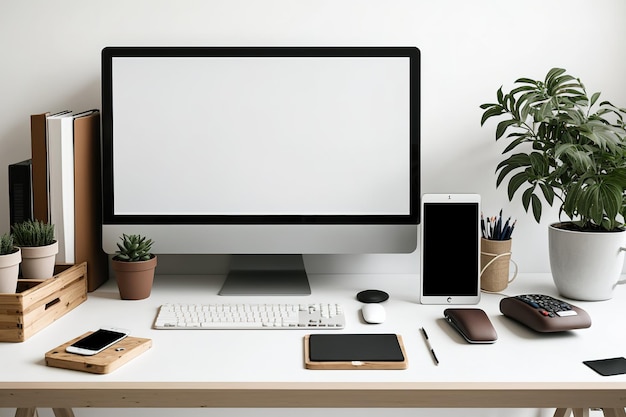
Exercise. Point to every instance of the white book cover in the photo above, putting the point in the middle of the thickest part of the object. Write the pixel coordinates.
(61, 183)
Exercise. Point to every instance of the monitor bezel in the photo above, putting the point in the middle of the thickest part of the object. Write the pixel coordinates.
(108, 55)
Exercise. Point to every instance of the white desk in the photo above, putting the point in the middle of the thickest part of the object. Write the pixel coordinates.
(263, 368)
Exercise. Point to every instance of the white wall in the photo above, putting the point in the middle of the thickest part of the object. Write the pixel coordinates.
(50, 57)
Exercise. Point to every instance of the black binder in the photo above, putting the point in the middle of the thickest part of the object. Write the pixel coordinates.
(20, 192)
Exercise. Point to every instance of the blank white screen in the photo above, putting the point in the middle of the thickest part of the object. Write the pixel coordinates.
(261, 135)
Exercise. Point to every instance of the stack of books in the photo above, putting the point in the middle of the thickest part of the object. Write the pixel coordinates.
(61, 185)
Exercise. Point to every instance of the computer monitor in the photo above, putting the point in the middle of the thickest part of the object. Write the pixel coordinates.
(261, 152)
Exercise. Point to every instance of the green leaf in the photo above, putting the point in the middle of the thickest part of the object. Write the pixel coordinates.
(491, 112)
(611, 197)
(548, 193)
(515, 182)
(594, 98)
(500, 95)
(536, 204)
(503, 126)
(538, 163)
(526, 196)
(526, 81)
(521, 138)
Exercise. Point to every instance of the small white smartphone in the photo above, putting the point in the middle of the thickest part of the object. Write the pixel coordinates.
(97, 341)
(450, 249)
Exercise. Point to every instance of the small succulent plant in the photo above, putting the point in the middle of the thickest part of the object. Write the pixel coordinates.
(133, 248)
(33, 233)
(6, 244)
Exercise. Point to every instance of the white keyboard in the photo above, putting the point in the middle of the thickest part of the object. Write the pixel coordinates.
(250, 316)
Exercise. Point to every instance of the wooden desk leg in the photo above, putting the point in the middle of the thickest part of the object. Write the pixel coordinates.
(614, 412)
(32, 412)
(566, 412)
(26, 412)
(63, 412)
(584, 412)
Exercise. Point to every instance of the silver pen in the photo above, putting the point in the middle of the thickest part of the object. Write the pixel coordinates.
(428, 345)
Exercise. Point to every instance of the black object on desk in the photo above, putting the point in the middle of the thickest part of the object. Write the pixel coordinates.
(355, 351)
(372, 296)
(608, 367)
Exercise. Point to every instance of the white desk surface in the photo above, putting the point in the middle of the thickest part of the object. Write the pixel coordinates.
(522, 363)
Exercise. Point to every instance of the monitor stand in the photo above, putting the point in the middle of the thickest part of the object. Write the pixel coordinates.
(266, 275)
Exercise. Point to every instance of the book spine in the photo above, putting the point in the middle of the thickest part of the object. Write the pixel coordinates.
(39, 156)
(20, 192)
(88, 198)
(61, 174)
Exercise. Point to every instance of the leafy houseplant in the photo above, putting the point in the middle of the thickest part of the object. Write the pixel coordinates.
(10, 258)
(562, 149)
(134, 267)
(567, 151)
(39, 247)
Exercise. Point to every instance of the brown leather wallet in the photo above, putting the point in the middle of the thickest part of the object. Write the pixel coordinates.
(472, 323)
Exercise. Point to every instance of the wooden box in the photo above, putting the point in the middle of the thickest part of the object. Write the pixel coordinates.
(37, 303)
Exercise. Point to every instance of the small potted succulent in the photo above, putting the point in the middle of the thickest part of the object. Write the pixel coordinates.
(10, 258)
(134, 267)
(38, 246)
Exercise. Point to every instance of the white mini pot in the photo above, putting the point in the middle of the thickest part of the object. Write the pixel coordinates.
(38, 261)
(9, 271)
(586, 265)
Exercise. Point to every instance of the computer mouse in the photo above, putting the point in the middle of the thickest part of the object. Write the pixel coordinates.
(373, 313)
(372, 296)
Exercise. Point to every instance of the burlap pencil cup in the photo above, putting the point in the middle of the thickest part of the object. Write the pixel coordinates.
(495, 257)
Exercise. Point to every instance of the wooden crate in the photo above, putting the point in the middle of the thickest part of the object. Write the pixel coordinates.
(37, 303)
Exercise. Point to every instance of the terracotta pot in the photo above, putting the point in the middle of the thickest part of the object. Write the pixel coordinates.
(134, 279)
(38, 261)
(9, 271)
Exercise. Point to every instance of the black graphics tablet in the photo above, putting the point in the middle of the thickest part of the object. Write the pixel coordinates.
(355, 351)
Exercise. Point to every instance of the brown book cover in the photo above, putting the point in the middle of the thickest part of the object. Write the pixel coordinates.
(38, 143)
(39, 156)
(87, 199)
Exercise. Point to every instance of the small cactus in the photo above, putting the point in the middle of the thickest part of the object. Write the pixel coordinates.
(134, 248)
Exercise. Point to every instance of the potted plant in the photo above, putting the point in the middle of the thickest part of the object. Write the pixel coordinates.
(39, 248)
(563, 147)
(10, 258)
(134, 267)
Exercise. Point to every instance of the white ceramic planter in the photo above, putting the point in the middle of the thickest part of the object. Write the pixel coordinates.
(9, 271)
(586, 265)
(38, 261)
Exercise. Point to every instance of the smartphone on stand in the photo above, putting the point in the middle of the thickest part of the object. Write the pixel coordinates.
(97, 341)
(450, 249)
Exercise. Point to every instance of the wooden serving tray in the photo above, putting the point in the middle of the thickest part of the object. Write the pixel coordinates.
(102, 363)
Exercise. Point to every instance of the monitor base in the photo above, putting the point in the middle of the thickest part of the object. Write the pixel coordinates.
(266, 275)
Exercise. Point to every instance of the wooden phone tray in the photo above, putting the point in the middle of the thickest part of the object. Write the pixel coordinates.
(102, 363)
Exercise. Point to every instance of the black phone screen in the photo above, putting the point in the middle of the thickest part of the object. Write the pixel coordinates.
(451, 245)
(98, 339)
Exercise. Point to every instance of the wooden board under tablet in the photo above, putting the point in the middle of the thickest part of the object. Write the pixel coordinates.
(102, 363)
(367, 351)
